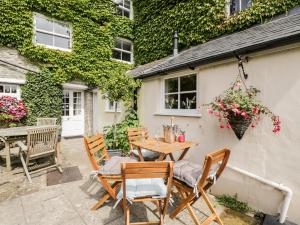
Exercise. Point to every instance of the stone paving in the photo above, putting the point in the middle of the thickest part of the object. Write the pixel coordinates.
(69, 203)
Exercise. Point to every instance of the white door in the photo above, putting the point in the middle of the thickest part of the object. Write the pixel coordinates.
(72, 113)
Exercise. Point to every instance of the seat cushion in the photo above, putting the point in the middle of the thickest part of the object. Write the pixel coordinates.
(146, 153)
(135, 188)
(190, 172)
(113, 166)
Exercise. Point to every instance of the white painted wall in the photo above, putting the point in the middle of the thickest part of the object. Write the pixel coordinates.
(102, 117)
(275, 157)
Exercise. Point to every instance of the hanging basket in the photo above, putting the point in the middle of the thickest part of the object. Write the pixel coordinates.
(239, 125)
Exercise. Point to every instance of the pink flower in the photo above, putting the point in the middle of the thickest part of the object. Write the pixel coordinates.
(222, 126)
(228, 126)
(210, 111)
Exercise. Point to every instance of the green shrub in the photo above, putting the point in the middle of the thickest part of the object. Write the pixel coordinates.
(121, 141)
(233, 203)
(42, 96)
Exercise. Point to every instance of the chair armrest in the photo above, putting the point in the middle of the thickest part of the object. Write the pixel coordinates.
(21, 145)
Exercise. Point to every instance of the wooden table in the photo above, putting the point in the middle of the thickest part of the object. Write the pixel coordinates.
(10, 135)
(163, 148)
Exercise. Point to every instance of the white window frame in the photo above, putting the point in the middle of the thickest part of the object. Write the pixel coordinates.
(122, 50)
(178, 111)
(52, 33)
(15, 95)
(228, 6)
(121, 7)
(108, 109)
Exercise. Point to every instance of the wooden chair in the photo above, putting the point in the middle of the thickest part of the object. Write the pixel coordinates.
(212, 169)
(41, 144)
(45, 121)
(136, 134)
(135, 176)
(100, 159)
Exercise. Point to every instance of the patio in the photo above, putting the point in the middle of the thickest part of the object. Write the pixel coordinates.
(69, 203)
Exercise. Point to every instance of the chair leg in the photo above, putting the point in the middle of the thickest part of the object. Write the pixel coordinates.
(107, 195)
(182, 205)
(25, 168)
(214, 215)
(127, 215)
(101, 202)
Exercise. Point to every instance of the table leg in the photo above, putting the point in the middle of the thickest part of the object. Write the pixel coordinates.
(161, 157)
(183, 154)
(140, 154)
(7, 151)
(172, 157)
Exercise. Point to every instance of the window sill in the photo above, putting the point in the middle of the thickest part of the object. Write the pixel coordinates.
(111, 111)
(179, 114)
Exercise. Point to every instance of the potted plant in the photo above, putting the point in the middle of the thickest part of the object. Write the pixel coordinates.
(237, 108)
(12, 111)
(122, 88)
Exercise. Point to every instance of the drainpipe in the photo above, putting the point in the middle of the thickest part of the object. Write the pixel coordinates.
(175, 43)
(288, 193)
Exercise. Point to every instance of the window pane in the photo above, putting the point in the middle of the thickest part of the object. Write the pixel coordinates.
(245, 4)
(7, 88)
(13, 89)
(65, 106)
(188, 83)
(116, 54)
(119, 11)
(1, 88)
(61, 42)
(45, 39)
(61, 29)
(234, 6)
(127, 46)
(188, 101)
(126, 13)
(43, 24)
(126, 57)
(171, 85)
(111, 105)
(171, 101)
(118, 44)
(127, 4)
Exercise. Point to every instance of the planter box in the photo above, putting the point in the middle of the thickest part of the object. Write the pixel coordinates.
(115, 152)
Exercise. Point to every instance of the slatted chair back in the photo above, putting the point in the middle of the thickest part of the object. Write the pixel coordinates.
(144, 170)
(214, 165)
(96, 150)
(46, 121)
(42, 141)
(136, 134)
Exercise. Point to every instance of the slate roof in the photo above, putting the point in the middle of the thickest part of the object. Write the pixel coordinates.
(283, 30)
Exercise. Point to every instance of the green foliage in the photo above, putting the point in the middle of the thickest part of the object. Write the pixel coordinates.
(233, 203)
(196, 21)
(42, 96)
(121, 141)
(94, 26)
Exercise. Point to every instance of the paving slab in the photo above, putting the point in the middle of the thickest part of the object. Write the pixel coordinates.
(70, 203)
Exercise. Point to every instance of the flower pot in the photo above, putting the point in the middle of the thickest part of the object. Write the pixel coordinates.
(239, 125)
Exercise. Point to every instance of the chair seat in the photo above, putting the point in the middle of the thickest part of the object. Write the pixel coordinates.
(113, 166)
(189, 172)
(147, 154)
(136, 188)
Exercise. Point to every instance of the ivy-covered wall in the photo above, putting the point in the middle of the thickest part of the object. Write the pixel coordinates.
(196, 21)
(94, 25)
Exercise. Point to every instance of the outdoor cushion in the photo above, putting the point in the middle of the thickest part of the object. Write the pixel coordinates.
(190, 172)
(146, 153)
(113, 166)
(135, 188)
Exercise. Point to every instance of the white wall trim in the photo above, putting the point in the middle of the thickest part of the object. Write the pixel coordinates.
(75, 86)
(12, 81)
